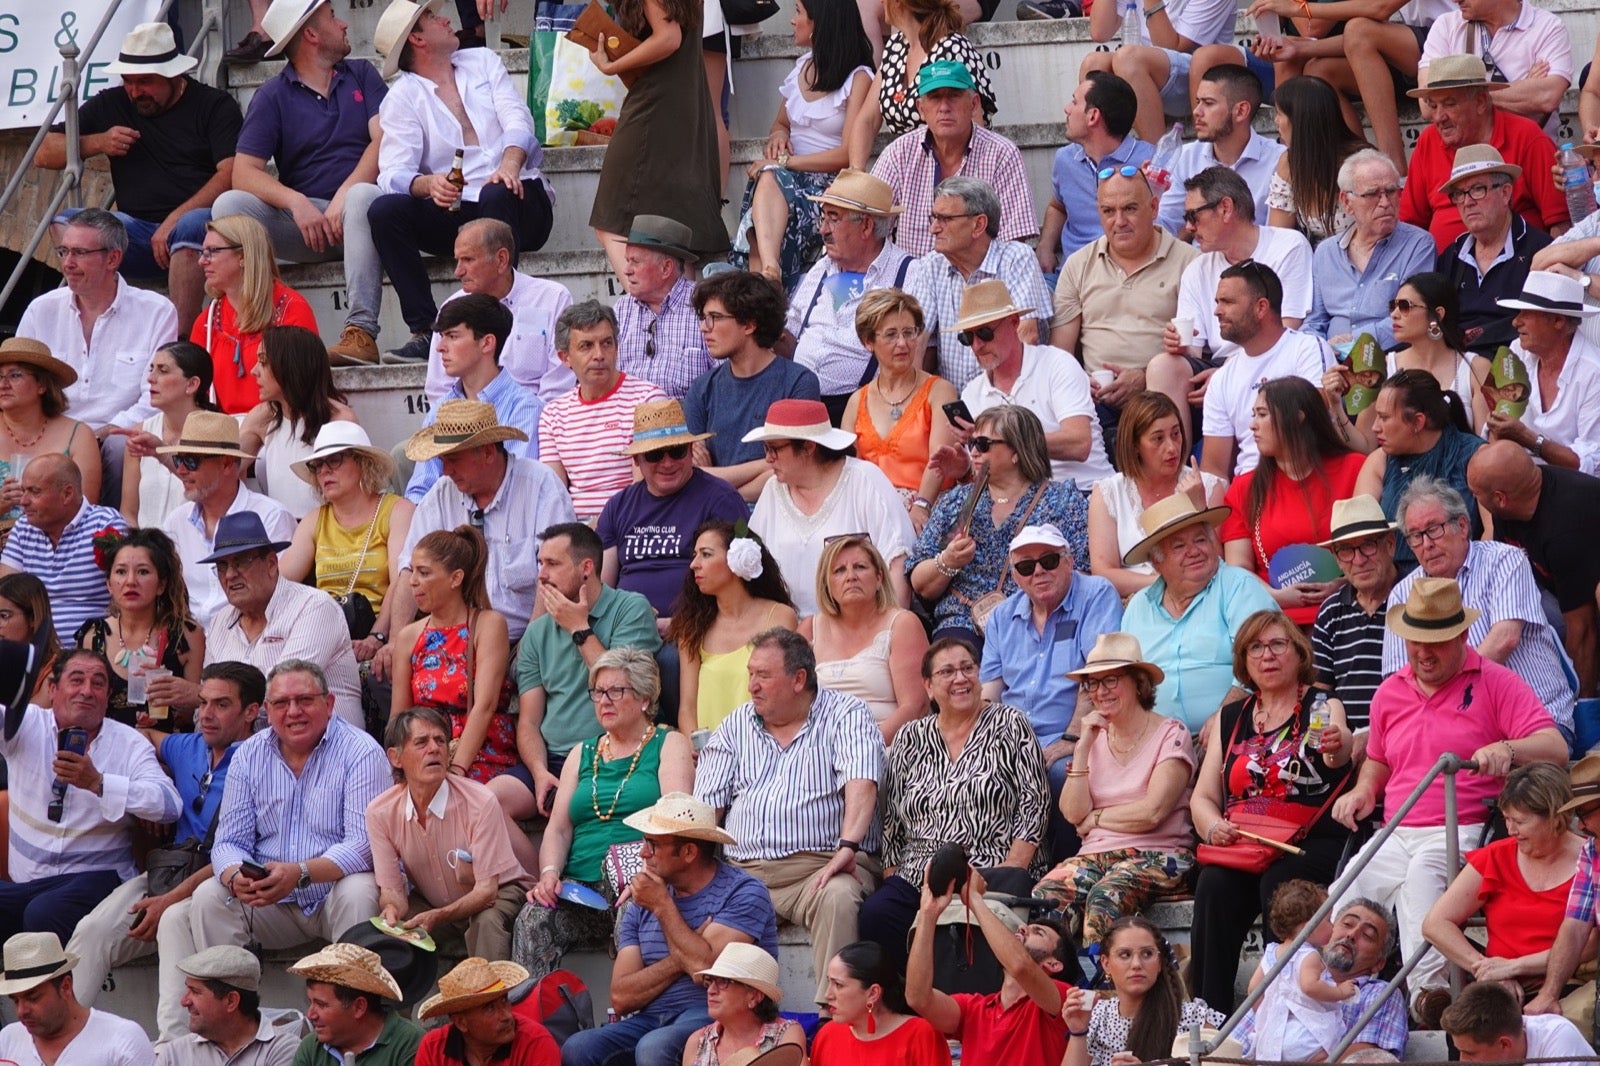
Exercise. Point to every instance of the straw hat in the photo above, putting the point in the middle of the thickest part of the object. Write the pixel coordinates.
(350, 967)
(660, 424)
(1585, 779)
(284, 19)
(1229, 1048)
(1477, 160)
(1359, 516)
(31, 959)
(800, 420)
(1552, 293)
(678, 814)
(856, 190)
(336, 437)
(749, 964)
(472, 983)
(1432, 612)
(1165, 517)
(662, 234)
(28, 352)
(151, 49)
(987, 301)
(460, 424)
(1116, 651)
(207, 433)
(1457, 72)
(398, 20)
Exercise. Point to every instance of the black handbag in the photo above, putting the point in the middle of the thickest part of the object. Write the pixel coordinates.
(748, 12)
(171, 866)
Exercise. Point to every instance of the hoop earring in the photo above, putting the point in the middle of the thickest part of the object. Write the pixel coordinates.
(1434, 331)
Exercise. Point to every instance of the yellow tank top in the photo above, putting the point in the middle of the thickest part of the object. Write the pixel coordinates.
(339, 549)
(724, 684)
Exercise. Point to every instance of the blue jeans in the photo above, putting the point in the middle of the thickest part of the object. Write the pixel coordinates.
(138, 261)
(53, 904)
(649, 1038)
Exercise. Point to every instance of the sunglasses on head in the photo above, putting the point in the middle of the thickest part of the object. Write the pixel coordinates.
(190, 463)
(1026, 567)
(672, 451)
(1126, 171)
(983, 333)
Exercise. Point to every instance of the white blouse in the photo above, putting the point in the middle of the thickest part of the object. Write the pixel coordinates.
(816, 125)
(1572, 420)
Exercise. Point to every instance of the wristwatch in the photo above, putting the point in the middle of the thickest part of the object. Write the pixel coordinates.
(381, 638)
(581, 635)
(305, 877)
(1538, 444)
(853, 845)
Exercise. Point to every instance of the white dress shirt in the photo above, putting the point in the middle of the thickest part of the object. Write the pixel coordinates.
(188, 531)
(530, 352)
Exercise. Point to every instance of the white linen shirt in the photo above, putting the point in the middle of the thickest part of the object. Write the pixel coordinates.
(111, 389)
(1571, 421)
(420, 135)
(530, 352)
(188, 531)
(1053, 386)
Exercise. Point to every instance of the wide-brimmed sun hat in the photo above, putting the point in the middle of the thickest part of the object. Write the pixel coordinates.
(1456, 72)
(149, 48)
(1359, 516)
(1584, 776)
(399, 19)
(1552, 293)
(472, 983)
(461, 424)
(800, 420)
(678, 814)
(662, 234)
(1165, 517)
(1477, 160)
(25, 351)
(349, 966)
(207, 433)
(284, 19)
(1433, 612)
(1116, 651)
(31, 959)
(985, 302)
(856, 190)
(749, 964)
(336, 437)
(660, 424)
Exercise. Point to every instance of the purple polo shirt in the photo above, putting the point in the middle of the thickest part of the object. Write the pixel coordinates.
(316, 140)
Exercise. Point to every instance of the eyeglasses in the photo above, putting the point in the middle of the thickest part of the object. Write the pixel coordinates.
(305, 702)
(650, 339)
(199, 802)
(1104, 681)
(190, 463)
(613, 694)
(475, 517)
(720, 982)
(895, 336)
(1383, 192)
(331, 462)
(63, 252)
(1404, 306)
(935, 217)
(981, 445)
(13, 377)
(209, 251)
(1026, 567)
(770, 449)
(710, 319)
(983, 333)
(650, 847)
(948, 673)
(1474, 192)
(1190, 216)
(1257, 648)
(1126, 171)
(673, 451)
(1346, 552)
(1430, 534)
(237, 562)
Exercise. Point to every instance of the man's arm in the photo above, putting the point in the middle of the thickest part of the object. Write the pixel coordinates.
(1216, 457)
(942, 1012)
(52, 154)
(635, 985)
(1564, 953)
(479, 898)
(1071, 442)
(1501, 640)
(1010, 953)
(860, 801)
(530, 745)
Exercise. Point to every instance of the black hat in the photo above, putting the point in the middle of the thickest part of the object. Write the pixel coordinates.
(412, 968)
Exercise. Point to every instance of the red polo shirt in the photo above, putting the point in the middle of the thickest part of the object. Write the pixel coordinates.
(1009, 1036)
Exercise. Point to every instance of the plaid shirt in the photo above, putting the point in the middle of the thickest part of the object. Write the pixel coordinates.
(665, 349)
(939, 286)
(912, 171)
(1580, 900)
(1387, 1029)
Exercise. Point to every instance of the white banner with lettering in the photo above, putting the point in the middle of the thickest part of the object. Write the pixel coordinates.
(32, 35)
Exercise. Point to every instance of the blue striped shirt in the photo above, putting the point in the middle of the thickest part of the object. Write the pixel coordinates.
(782, 800)
(76, 585)
(271, 815)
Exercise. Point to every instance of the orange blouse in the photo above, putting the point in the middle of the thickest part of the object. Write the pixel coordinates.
(903, 455)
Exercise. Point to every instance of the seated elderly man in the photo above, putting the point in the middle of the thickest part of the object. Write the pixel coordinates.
(857, 216)
(1036, 638)
(416, 828)
(1509, 624)
(966, 250)
(705, 903)
(482, 1027)
(1347, 637)
(54, 541)
(794, 776)
(1185, 621)
(1486, 1024)
(658, 330)
(1356, 273)
(222, 993)
(1444, 697)
(350, 1001)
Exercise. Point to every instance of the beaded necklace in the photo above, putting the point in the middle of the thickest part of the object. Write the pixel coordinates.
(601, 749)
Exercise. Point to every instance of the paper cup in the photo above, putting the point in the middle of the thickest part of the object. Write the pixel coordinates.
(1185, 328)
(1103, 378)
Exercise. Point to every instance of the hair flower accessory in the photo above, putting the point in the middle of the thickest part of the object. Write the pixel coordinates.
(744, 558)
(106, 542)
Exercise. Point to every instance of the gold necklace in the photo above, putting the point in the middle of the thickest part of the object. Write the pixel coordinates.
(604, 748)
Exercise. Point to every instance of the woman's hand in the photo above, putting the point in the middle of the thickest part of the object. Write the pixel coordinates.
(951, 461)
(918, 515)
(778, 145)
(545, 892)
(142, 444)
(10, 493)
(1222, 833)
(755, 168)
(1093, 722)
(1336, 382)
(598, 57)
(959, 552)
(1331, 743)
(1192, 484)
(1494, 969)
(1077, 1004)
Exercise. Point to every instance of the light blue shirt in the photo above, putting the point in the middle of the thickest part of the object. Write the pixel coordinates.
(1255, 165)
(1074, 177)
(1033, 663)
(513, 406)
(1347, 301)
(1195, 650)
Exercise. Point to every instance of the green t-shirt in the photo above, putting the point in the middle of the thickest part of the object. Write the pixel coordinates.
(396, 1046)
(616, 793)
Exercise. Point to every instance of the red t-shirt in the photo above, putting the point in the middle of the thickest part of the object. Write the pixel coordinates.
(1518, 140)
(1011, 1036)
(532, 1046)
(233, 355)
(1295, 513)
(914, 1043)
(1520, 920)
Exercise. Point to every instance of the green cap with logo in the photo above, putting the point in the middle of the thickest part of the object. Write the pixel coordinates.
(944, 74)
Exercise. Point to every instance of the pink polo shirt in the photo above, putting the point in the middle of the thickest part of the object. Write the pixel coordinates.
(1482, 704)
(412, 844)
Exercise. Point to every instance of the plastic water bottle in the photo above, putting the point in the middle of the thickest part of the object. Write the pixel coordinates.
(1318, 721)
(1132, 24)
(1576, 184)
(1159, 170)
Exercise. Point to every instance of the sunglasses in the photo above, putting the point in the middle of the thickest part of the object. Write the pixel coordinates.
(190, 463)
(332, 462)
(1404, 306)
(983, 333)
(847, 536)
(1126, 171)
(199, 802)
(1191, 215)
(475, 517)
(674, 451)
(1026, 567)
(981, 445)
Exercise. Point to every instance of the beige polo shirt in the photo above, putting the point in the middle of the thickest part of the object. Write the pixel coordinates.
(1123, 314)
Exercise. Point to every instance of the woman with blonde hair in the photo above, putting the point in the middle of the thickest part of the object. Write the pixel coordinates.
(246, 297)
(866, 646)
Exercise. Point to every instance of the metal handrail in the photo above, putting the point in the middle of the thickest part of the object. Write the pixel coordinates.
(1449, 764)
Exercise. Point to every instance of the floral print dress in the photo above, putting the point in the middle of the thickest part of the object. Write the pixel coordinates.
(440, 679)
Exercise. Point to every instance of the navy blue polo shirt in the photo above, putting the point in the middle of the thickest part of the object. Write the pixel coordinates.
(1480, 296)
(317, 140)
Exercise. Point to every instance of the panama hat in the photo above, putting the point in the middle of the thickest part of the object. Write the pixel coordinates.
(1585, 779)
(1456, 72)
(1116, 651)
(241, 531)
(29, 352)
(660, 424)
(662, 234)
(1359, 516)
(207, 433)
(398, 20)
(284, 19)
(348, 966)
(800, 420)
(856, 190)
(749, 964)
(461, 424)
(336, 437)
(472, 983)
(1432, 613)
(31, 959)
(678, 814)
(987, 301)
(1165, 517)
(149, 48)
(1476, 160)
(1544, 290)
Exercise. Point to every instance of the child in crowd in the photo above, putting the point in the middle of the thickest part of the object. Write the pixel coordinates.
(1298, 1019)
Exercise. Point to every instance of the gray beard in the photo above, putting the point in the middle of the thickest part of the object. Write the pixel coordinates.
(1339, 956)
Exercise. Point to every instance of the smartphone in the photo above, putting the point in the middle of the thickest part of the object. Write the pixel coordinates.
(74, 740)
(253, 870)
(958, 409)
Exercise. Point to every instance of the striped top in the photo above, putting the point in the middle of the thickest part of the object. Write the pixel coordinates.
(587, 437)
(1347, 647)
(271, 815)
(76, 585)
(95, 832)
(781, 800)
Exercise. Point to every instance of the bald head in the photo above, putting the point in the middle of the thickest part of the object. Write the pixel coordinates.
(52, 492)
(1505, 479)
(56, 471)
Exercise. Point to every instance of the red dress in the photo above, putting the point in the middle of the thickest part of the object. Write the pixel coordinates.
(915, 1043)
(439, 679)
(233, 354)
